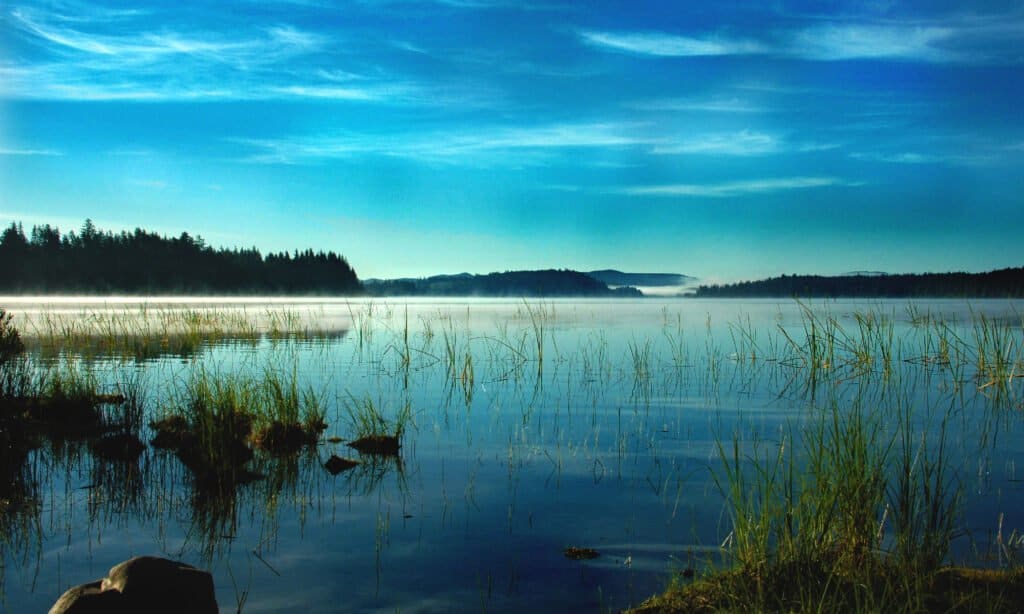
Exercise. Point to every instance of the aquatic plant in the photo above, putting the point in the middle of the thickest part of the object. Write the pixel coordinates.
(374, 432)
(837, 515)
(288, 417)
(10, 339)
(217, 420)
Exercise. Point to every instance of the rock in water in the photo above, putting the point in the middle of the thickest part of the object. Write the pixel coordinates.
(89, 598)
(143, 584)
(336, 464)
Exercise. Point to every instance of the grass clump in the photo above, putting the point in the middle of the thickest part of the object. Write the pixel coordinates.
(291, 417)
(11, 345)
(210, 433)
(219, 419)
(842, 517)
(374, 433)
(880, 587)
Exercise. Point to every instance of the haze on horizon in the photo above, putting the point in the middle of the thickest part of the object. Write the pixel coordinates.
(727, 141)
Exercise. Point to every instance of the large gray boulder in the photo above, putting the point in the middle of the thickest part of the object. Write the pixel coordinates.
(143, 584)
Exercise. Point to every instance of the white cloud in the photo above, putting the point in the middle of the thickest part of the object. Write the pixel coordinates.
(742, 143)
(899, 158)
(981, 156)
(848, 42)
(708, 105)
(410, 47)
(954, 40)
(668, 45)
(515, 146)
(139, 47)
(812, 147)
(735, 188)
(10, 151)
(135, 64)
(486, 146)
(329, 92)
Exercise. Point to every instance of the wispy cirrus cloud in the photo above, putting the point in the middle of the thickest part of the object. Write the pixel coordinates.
(139, 47)
(742, 143)
(484, 146)
(906, 157)
(735, 188)
(669, 45)
(982, 156)
(868, 41)
(86, 59)
(15, 151)
(496, 145)
(705, 105)
(77, 11)
(950, 41)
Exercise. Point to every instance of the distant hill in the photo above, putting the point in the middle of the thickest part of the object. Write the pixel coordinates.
(1002, 283)
(546, 283)
(612, 277)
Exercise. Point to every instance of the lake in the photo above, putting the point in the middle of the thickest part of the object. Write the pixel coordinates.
(532, 426)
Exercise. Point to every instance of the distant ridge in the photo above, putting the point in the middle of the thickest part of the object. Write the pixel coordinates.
(1002, 283)
(545, 283)
(653, 280)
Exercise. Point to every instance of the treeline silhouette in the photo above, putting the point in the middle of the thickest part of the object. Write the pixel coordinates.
(1002, 283)
(546, 283)
(140, 262)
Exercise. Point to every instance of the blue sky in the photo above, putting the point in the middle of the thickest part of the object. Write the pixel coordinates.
(726, 140)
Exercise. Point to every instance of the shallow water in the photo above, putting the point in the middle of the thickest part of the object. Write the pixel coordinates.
(602, 435)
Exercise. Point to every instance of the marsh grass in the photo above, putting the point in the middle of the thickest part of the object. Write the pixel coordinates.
(11, 344)
(841, 514)
(287, 416)
(148, 333)
(215, 422)
(374, 432)
(217, 416)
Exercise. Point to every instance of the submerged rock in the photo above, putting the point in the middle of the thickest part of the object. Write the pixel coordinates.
(109, 399)
(281, 438)
(143, 584)
(336, 464)
(171, 432)
(119, 447)
(384, 445)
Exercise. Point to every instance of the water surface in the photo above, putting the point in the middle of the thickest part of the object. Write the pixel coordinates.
(536, 425)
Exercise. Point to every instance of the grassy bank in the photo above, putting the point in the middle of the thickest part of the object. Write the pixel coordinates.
(855, 510)
(819, 588)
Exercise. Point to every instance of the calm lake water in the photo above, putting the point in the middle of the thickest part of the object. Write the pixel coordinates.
(535, 426)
